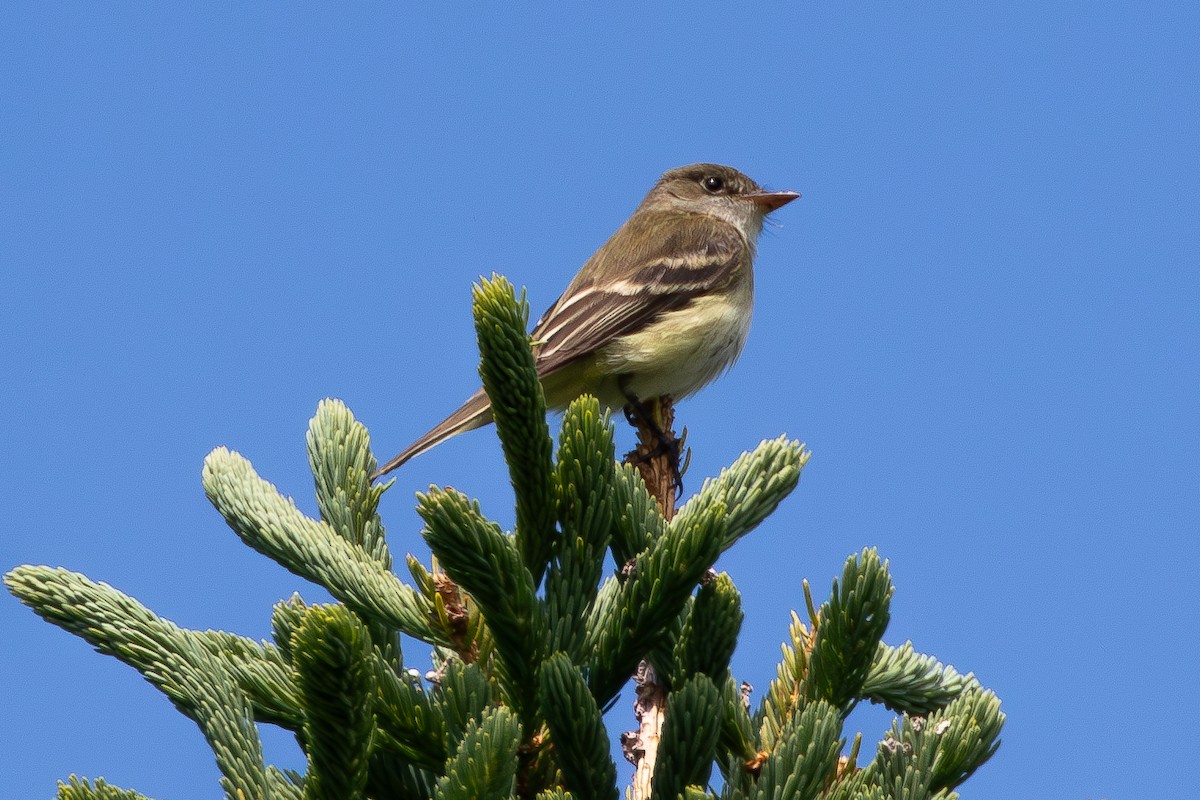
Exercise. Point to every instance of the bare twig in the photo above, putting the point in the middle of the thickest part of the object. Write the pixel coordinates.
(657, 457)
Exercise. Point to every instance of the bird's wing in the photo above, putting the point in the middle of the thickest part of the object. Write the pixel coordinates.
(592, 312)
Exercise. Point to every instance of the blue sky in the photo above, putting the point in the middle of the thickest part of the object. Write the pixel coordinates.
(982, 317)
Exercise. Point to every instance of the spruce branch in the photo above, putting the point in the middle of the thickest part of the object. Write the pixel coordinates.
(339, 453)
(225, 716)
(855, 787)
(83, 789)
(638, 519)
(805, 756)
(261, 672)
(752, 486)
(969, 731)
(907, 681)
(710, 630)
(462, 694)
(556, 793)
(392, 777)
(577, 732)
(285, 785)
(663, 577)
(661, 654)
(286, 616)
(334, 662)
(926, 757)
(506, 367)
(272, 525)
(903, 763)
(737, 742)
(585, 513)
(783, 696)
(485, 563)
(691, 728)
(847, 630)
(173, 660)
(485, 764)
(410, 723)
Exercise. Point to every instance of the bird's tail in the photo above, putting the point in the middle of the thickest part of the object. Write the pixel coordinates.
(475, 413)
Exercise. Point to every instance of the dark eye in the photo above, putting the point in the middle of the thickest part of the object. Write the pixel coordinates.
(712, 184)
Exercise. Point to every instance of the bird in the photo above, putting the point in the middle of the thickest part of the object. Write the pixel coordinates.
(662, 308)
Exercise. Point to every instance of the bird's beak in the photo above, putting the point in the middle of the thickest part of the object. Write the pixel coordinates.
(769, 201)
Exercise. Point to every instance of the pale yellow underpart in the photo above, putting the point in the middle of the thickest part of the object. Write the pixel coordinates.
(678, 354)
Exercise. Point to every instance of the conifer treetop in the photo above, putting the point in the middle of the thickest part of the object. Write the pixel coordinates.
(534, 632)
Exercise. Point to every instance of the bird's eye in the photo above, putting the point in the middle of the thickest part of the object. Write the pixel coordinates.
(712, 184)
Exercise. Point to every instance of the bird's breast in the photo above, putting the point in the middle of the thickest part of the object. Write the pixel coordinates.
(683, 349)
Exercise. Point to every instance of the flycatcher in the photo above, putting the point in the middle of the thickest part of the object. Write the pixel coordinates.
(662, 308)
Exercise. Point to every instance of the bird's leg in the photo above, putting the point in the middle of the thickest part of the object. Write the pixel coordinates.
(639, 415)
(657, 455)
(649, 417)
